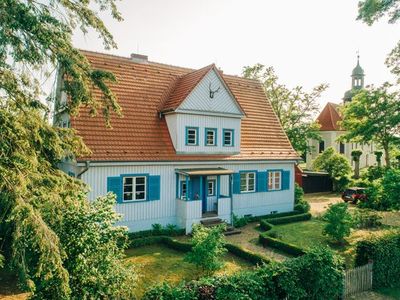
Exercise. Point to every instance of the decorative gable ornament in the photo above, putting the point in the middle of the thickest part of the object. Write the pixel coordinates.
(212, 92)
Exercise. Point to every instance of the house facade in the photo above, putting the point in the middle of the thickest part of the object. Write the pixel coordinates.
(330, 130)
(191, 145)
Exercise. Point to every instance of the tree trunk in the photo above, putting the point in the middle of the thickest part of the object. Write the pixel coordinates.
(357, 168)
(387, 155)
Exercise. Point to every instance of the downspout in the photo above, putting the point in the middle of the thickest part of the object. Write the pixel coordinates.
(231, 196)
(87, 165)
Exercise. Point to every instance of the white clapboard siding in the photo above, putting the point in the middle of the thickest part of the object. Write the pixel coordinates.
(140, 215)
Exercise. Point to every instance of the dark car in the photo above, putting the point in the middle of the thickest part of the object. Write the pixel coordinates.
(354, 194)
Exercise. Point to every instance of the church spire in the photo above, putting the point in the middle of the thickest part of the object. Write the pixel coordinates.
(357, 80)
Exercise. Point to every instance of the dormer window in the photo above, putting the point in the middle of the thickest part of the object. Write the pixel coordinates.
(211, 137)
(192, 136)
(228, 137)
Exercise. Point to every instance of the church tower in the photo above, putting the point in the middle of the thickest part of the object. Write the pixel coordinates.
(357, 81)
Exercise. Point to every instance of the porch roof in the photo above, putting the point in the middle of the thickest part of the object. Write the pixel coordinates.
(204, 171)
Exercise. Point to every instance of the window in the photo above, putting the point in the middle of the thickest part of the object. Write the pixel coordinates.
(192, 136)
(211, 188)
(274, 180)
(321, 146)
(134, 188)
(183, 189)
(211, 137)
(341, 148)
(228, 137)
(247, 182)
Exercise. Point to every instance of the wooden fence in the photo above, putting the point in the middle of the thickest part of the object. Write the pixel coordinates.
(358, 280)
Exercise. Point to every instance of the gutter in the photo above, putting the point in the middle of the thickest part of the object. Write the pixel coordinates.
(87, 165)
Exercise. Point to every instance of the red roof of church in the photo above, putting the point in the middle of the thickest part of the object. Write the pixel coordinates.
(145, 89)
(329, 118)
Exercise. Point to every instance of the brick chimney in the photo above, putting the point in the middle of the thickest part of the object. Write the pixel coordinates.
(139, 58)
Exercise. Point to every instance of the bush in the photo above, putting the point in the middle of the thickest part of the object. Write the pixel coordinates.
(336, 165)
(372, 173)
(316, 275)
(239, 222)
(366, 219)
(176, 245)
(385, 253)
(169, 230)
(300, 204)
(339, 222)
(207, 247)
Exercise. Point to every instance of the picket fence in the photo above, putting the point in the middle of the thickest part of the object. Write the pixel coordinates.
(358, 280)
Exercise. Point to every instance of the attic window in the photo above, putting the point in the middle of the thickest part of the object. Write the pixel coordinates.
(192, 136)
(228, 137)
(211, 136)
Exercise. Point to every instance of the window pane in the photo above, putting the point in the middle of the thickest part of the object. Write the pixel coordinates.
(127, 188)
(128, 180)
(140, 180)
(140, 188)
(140, 195)
(128, 196)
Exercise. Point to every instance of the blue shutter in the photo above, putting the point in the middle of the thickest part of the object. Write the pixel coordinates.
(236, 183)
(114, 185)
(154, 187)
(266, 180)
(285, 180)
(262, 181)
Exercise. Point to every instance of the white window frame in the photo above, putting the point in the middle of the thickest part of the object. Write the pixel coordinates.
(196, 138)
(273, 184)
(247, 182)
(183, 194)
(214, 136)
(231, 132)
(213, 182)
(134, 186)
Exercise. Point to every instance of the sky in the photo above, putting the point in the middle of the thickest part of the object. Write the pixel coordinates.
(307, 42)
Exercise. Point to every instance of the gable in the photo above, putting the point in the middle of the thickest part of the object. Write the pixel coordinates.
(199, 100)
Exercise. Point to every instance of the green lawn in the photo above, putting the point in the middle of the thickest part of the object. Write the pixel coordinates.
(157, 264)
(309, 233)
(393, 293)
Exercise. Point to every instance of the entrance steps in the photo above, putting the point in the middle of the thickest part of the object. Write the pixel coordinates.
(230, 230)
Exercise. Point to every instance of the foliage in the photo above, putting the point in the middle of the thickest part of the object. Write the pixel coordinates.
(355, 154)
(208, 247)
(168, 230)
(384, 251)
(290, 219)
(364, 218)
(339, 221)
(41, 207)
(300, 204)
(267, 240)
(336, 165)
(378, 155)
(239, 222)
(295, 108)
(316, 275)
(373, 116)
(372, 173)
(252, 257)
(371, 11)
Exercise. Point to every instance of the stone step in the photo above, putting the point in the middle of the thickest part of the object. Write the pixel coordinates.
(232, 232)
(211, 222)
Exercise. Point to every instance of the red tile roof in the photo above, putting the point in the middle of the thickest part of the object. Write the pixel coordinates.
(144, 89)
(329, 118)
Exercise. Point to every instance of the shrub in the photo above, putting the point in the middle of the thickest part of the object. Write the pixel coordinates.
(301, 205)
(247, 255)
(239, 222)
(207, 247)
(337, 167)
(366, 219)
(289, 219)
(177, 245)
(339, 222)
(372, 173)
(157, 228)
(279, 215)
(316, 275)
(169, 230)
(268, 241)
(384, 251)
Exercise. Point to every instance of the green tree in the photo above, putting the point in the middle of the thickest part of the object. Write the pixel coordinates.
(295, 108)
(378, 155)
(373, 115)
(208, 248)
(356, 154)
(41, 207)
(336, 165)
(339, 222)
(370, 11)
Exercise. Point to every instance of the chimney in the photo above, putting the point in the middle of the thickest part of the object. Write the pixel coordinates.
(139, 58)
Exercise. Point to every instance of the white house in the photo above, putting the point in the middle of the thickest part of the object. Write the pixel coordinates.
(330, 130)
(191, 145)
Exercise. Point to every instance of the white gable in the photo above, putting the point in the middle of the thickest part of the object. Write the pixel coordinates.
(199, 99)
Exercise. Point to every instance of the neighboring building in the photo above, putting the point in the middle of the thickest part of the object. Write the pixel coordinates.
(329, 120)
(191, 145)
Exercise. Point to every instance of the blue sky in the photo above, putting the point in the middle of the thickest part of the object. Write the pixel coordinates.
(307, 42)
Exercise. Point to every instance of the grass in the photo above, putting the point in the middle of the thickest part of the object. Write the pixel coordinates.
(393, 293)
(157, 263)
(309, 233)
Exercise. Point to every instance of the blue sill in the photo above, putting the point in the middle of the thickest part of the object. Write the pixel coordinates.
(133, 201)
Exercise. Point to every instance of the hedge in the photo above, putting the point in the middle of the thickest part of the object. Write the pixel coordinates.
(384, 251)
(152, 232)
(268, 241)
(247, 255)
(314, 276)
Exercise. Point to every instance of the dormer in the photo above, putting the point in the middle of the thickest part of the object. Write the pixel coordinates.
(203, 115)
